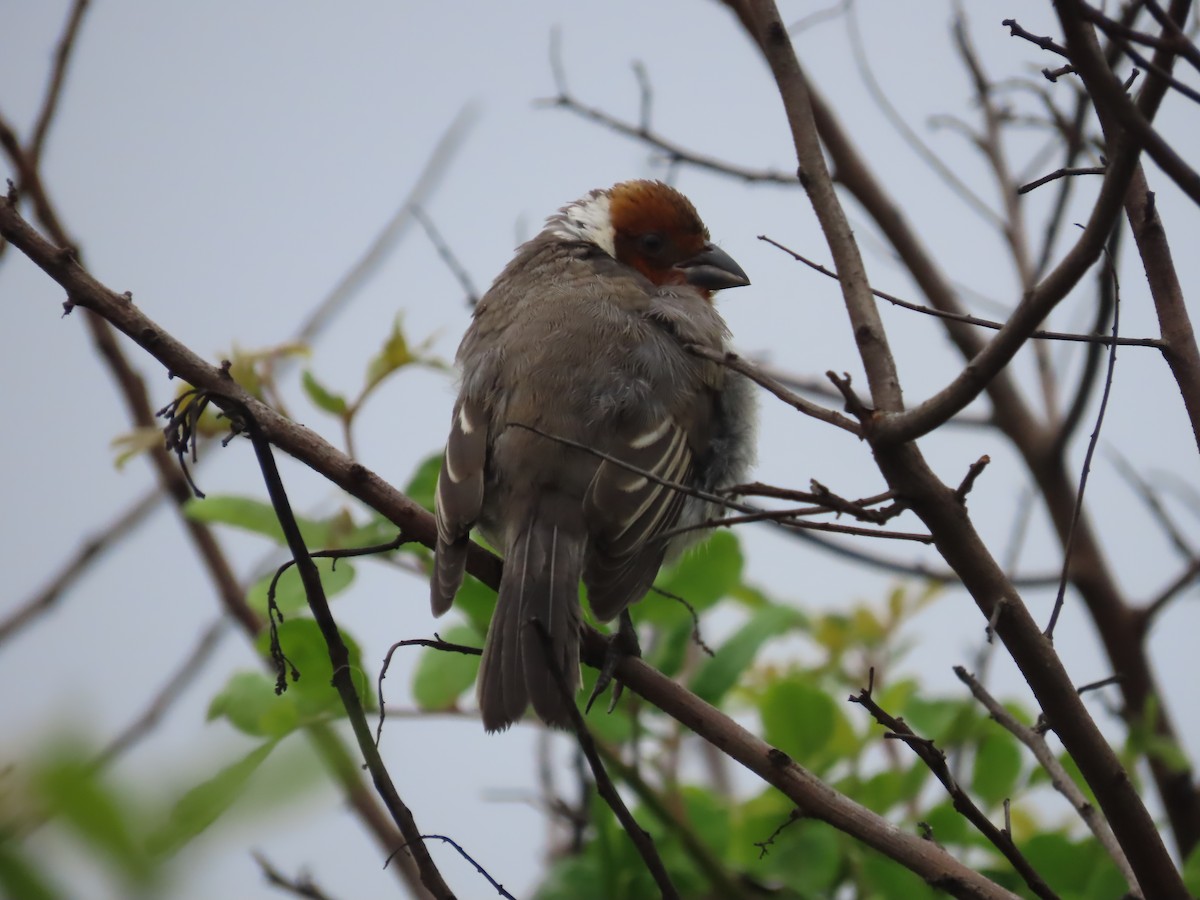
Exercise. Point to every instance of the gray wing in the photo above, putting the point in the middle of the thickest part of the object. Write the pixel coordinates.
(626, 512)
(459, 500)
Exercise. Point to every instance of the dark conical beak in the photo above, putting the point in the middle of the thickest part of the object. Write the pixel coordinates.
(712, 269)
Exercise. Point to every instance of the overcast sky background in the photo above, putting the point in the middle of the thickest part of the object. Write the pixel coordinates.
(228, 161)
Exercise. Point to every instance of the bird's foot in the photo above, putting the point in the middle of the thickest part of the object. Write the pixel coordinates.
(622, 643)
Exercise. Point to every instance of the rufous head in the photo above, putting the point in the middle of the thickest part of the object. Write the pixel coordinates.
(655, 229)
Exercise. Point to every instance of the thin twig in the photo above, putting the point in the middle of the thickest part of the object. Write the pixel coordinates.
(77, 565)
(1037, 334)
(1184, 580)
(1059, 778)
(300, 886)
(339, 656)
(909, 136)
(758, 376)
(935, 760)
(674, 152)
(62, 58)
(1091, 449)
(641, 838)
(1064, 172)
(189, 668)
(497, 886)
(461, 275)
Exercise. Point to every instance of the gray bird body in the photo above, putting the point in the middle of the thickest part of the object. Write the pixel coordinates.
(579, 346)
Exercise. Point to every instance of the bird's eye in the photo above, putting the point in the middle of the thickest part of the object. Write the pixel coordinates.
(651, 244)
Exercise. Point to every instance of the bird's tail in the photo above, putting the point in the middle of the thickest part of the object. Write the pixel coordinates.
(541, 582)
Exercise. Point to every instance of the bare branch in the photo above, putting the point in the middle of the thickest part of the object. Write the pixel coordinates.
(62, 58)
(1059, 778)
(935, 761)
(1039, 334)
(1087, 458)
(1065, 172)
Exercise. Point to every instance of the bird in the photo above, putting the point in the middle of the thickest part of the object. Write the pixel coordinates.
(576, 379)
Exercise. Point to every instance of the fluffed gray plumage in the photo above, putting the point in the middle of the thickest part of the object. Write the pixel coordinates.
(583, 338)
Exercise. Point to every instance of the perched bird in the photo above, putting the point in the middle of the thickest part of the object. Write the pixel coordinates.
(583, 339)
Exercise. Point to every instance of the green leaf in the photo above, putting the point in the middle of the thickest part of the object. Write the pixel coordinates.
(579, 877)
(204, 804)
(890, 879)
(422, 486)
(252, 515)
(709, 817)
(74, 791)
(394, 354)
(134, 443)
(670, 647)
(1191, 872)
(997, 767)
(18, 878)
(798, 718)
(883, 790)
(305, 647)
(321, 396)
(946, 721)
(718, 674)
(704, 575)
(442, 675)
(1062, 862)
(249, 702)
(949, 826)
(805, 855)
(336, 576)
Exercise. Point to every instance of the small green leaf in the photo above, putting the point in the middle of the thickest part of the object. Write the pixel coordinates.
(670, 647)
(949, 826)
(997, 767)
(718, 674)
(805, 855)
(305, 648)
(581, 877)
(890, 879)
(134, 443)
(798, 718)
(709, 817)
(249, 702)
(1191, 871)
(252, 515)
(321, 396)
(336, 576)
(883, 790)
(74, 791)
(19, 878)
(423, 484)
(1058, 859)
(938, 720)
(204, 804)
(393, 355)
(704, 575)
(442, 675)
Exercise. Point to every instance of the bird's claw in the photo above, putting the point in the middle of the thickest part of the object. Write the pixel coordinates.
(622, 643)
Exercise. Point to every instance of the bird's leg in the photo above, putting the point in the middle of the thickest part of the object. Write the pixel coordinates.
(622, 643)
